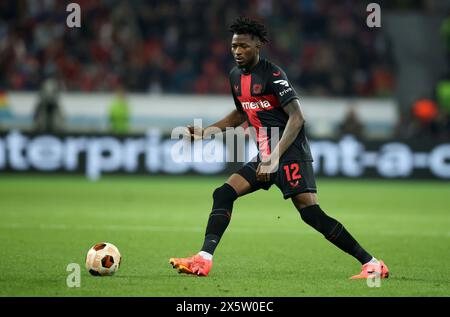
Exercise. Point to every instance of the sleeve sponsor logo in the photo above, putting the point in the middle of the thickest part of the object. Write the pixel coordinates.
(282, 82)
(285, 91)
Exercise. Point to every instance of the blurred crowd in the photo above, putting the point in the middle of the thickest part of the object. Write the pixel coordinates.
(183, 46)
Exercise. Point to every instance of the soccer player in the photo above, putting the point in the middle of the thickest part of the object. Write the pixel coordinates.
(264, 98)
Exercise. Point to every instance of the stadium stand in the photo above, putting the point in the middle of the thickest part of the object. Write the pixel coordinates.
(151, 46)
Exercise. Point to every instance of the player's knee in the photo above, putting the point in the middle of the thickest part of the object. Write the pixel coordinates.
(319, 220)
(311, 215)
(224, 196)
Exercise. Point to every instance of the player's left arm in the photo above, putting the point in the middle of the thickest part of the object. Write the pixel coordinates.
(288, 100)
(292, 129)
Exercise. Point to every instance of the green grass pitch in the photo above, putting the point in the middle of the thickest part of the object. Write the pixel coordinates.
(48, 222)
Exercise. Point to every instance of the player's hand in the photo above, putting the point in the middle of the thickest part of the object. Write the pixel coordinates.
(195, 133)
(265, 169)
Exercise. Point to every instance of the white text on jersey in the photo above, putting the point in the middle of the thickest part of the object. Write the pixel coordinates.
(261, 104)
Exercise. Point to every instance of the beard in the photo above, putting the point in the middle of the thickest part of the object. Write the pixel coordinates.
(241, 66)
(248, 63)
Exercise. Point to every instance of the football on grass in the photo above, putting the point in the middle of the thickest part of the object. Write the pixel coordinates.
(103, 259)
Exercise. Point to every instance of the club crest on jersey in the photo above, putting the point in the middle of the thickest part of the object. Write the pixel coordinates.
(257, 88)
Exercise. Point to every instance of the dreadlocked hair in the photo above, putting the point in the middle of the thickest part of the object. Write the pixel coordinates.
(243, 25)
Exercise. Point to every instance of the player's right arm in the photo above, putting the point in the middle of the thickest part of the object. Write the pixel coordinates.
(233, 119)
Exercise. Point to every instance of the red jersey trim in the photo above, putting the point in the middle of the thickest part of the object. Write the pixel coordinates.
(251, 105)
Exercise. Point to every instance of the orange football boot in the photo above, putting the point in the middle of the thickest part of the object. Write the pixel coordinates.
(370, 270)
(195, 265)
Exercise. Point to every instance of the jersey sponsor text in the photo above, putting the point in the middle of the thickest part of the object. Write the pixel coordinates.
(260, 104)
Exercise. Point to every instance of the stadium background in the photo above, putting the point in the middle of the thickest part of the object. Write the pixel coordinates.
(99, 102)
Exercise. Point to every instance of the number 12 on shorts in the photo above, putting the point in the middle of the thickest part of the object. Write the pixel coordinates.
(292, 172)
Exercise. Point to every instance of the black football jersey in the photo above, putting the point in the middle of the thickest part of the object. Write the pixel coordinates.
(261, 93)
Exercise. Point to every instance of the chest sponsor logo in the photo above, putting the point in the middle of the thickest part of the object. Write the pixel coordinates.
(261, 104)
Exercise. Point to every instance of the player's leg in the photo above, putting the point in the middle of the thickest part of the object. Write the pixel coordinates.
(238, 184)
(335, 232)
(296, 180)
(220, 216)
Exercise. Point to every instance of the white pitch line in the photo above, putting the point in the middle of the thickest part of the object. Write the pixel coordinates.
(247, 230)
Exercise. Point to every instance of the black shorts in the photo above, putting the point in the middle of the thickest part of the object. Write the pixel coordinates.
(294, 175)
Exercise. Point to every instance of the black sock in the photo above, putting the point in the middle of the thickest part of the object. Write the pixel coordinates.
(220, 217)
(335, 232)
